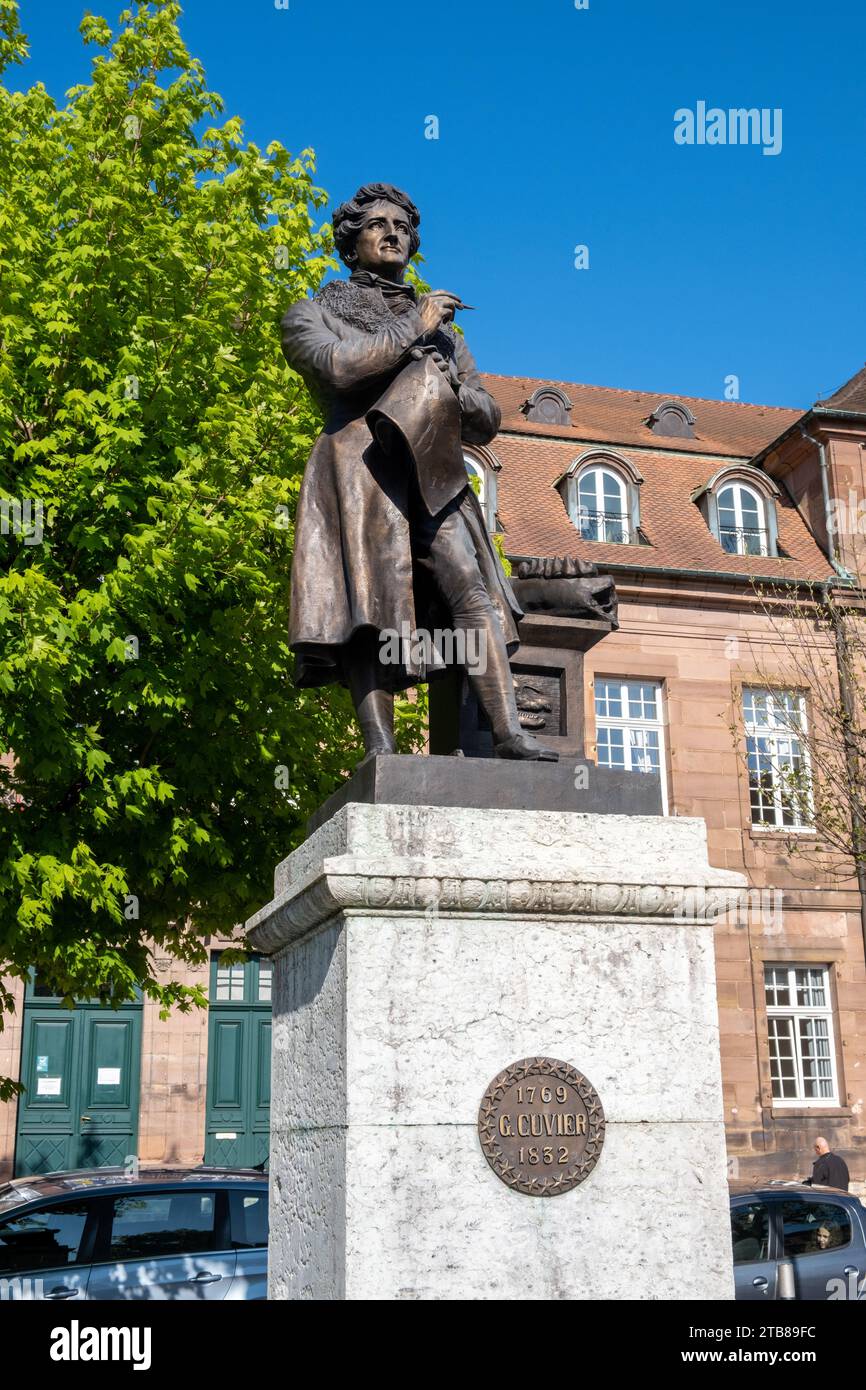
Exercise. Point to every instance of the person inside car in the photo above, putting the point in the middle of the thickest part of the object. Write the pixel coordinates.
(823, 1238)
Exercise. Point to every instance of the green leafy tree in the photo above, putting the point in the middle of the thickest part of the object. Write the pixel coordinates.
(158, 759)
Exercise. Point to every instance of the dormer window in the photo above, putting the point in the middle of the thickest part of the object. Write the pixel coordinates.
(739, 507)
(673, 419)
(548, 406)
(602, 514)
(742, 529)
(601, 495)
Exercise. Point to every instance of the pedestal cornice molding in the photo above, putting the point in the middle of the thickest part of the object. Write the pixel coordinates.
(411, 891)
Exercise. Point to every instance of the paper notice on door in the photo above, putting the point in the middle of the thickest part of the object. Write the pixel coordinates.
(108, 1076)
(48, 1085)
(227, 1134)
(41, 1064)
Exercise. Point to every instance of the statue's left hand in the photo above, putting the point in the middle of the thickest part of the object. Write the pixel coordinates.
(447, 367)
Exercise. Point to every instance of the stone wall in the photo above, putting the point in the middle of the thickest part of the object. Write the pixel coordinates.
(10, 1065)
(174, 1077)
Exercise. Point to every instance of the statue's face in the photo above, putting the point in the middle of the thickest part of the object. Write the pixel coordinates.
(383, 242)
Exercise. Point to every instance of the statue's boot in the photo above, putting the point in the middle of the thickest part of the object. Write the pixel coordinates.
(494, 691)
(525, 746)
(446, 549)
(374, 706)
(375, 714)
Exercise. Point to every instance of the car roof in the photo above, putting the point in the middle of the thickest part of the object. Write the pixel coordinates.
(39, 1186)
(785, 1189)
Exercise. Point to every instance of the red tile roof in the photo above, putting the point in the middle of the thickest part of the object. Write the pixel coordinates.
(851, 396)
(533, 457)
(620, 417)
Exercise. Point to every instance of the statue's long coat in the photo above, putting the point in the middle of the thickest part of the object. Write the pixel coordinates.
(353, 566)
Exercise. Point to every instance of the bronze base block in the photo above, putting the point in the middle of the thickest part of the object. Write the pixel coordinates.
(401, 779)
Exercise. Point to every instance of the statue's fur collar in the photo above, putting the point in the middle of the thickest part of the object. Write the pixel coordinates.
(364, 307)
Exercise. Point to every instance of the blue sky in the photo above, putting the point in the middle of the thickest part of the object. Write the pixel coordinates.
(556, 129)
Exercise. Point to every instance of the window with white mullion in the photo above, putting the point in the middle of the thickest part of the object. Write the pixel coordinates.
(483, 482)
(775, 725)
(629, 729)
(266, 979)
(476, 471)
(742, 521)
(800, 1026)
(230, 983)
(602, 513)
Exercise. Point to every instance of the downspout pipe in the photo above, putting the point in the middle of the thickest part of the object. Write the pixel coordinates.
(825, 491)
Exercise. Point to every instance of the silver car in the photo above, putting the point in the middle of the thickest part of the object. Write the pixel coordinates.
(793, 1241)
(164, 1233)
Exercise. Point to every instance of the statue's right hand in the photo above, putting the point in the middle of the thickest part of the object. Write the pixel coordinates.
(437, 308)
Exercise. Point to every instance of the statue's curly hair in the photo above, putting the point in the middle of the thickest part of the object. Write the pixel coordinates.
(347, 220)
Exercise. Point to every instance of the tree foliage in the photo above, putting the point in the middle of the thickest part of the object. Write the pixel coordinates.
(152, 442)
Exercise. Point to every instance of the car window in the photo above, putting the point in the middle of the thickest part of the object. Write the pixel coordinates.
(249, 1218)
(810, 1228)
(43, 1239)
(750, 1232)
(164, 1223)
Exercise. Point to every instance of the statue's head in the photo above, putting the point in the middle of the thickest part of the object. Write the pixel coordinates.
(377, 230)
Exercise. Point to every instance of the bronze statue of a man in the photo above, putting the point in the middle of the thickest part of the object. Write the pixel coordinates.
(389, 535)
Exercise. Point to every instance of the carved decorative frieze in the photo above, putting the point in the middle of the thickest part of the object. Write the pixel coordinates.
(307, 907)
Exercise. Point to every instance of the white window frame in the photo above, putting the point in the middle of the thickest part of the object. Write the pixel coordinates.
(265, 982)
(229, 980)
(628, 722)
(486, 494)
(601, 470)
(777, 731)
(795, 1013)
(738, 488)
(476, 470)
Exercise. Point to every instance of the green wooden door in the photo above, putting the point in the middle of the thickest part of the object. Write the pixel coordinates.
(239, 1064)
(81, 1069)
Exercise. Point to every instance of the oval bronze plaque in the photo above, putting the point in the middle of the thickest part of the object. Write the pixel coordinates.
(541, 1126)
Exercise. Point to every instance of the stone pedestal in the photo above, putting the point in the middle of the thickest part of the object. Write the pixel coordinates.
(418, 952)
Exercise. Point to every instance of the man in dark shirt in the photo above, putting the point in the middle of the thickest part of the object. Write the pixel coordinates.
(828, 1169)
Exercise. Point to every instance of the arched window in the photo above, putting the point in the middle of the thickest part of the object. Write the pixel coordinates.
(602, 506)
(601, 492)
(739, 506)
(477, 478)
(742, 520)
(482, 470)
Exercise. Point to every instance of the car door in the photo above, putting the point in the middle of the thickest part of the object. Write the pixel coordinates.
(823, 1241)
(248, 1215)
(166, 1244)
(753, 1240)
(45, 1251)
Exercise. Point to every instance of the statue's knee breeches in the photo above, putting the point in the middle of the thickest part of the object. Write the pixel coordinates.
(449, 556)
